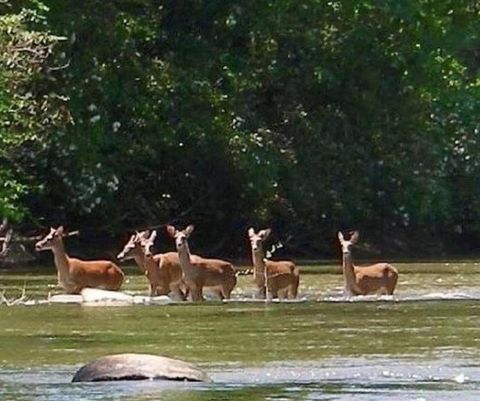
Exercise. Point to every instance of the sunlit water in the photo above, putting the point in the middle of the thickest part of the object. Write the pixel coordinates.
(422, 344)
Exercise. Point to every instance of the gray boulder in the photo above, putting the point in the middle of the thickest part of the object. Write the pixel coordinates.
(138, 367)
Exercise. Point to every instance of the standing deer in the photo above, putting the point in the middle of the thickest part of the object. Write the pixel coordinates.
(380, 278)
(163, 271)
(133, 250)
(282, 277)
(75, 274)
(200, 272)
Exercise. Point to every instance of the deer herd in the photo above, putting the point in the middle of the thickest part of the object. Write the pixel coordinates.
(185, 275)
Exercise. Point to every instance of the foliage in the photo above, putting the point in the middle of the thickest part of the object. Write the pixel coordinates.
(310, 116)
(29, 110)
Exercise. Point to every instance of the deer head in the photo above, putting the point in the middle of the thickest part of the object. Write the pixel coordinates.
(257, 239)
(148, 242)
(347, 244)
(132, 248)
(180, 236)
(50, 240)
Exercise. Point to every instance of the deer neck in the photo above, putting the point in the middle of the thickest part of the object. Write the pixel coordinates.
(61, 262)
(185, 261)
(258, 258)
(348, 272)
(150, 266)
(140, 260)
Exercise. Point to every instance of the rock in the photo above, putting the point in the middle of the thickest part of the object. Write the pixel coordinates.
(138, 367)
(65, 299)
(98, 295)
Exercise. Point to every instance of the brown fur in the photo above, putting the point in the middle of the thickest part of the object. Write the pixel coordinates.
(283, 277)
(199, 272)
(75, 274)
(380, 278)
(163, 271)
(164, 274)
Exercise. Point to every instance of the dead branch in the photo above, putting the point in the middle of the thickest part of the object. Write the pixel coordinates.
(58, 68)
(6, 243)
(17, 301)
(8, 239)
(38, 237)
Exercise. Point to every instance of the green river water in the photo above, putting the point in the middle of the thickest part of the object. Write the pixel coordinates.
(422, 345)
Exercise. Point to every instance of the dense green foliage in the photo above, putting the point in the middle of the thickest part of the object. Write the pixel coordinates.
(311, 116)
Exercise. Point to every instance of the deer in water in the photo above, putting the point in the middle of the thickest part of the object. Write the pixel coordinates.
(75, 274)
(200, 272)
(162, 271)
(283, 277)
(380, 278)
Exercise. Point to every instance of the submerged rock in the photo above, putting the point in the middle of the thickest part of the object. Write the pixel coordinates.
(138, 367)
(99, 297)
(65, 299)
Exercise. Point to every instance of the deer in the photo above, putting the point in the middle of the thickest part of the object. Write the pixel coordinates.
(162, 271)
(380, 278)
(282, 277)
(201, 272)
(75, 274)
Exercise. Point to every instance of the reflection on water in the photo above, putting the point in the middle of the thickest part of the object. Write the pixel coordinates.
(422, 344)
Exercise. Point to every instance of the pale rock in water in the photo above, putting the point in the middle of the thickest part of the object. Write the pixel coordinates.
(138, 367)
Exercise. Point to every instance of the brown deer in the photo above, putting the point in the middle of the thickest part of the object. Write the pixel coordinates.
(162, 271)
(75, 274)
(200, 272)
(380, 278)
(282, 277)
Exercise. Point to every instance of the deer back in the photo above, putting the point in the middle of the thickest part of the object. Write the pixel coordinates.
(279, 267)
(95, 273)
(169, 263)
(214, 271)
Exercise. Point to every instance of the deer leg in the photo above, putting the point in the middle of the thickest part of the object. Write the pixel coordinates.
(227, 292)
(228, 287)
(153, 290)
(186, 291)
(272, 293)
(283, 293)
(261, 293)
(391, 285)
(294, 285)
(196, 293)
(200, 293)
(175, 289)
(221, 293)
(163, 289)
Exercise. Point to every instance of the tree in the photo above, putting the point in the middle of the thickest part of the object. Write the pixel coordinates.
(29, 110)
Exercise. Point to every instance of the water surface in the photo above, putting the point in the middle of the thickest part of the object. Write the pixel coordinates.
(422, 344)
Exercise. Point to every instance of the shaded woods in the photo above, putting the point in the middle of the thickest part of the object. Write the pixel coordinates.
(307, 116)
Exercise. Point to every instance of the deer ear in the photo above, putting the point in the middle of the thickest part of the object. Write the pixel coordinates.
(354, 237)
(340, 236)
(171, 230)
(251, 232)
(266, 233)
(189, 229)
(59, 231)
(153, 235)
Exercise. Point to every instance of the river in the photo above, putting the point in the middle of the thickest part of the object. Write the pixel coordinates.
(423, 344)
